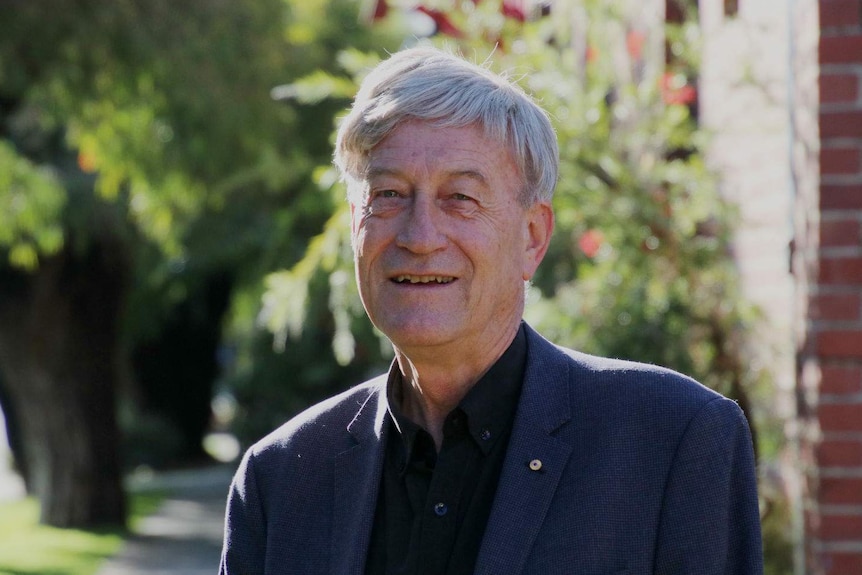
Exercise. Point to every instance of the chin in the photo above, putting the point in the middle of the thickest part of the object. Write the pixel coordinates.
(417, 334)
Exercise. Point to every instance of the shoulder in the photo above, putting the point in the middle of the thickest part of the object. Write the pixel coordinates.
(628, 393)
(609, 375)
(324, 425)
(641, 380)
(307, 445)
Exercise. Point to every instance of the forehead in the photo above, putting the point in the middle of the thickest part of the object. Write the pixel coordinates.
(422, 146)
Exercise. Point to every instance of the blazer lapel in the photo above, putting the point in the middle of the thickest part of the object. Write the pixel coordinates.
(357, 482)
(535, 461)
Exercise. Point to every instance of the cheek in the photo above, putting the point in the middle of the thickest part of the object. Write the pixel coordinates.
(367, 252)
(360, 256)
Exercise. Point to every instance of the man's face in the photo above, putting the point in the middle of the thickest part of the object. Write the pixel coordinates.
(442, 244)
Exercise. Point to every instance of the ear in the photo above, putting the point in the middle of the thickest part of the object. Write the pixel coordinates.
(540, 226)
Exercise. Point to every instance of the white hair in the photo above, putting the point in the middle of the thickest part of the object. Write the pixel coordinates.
(430, 85)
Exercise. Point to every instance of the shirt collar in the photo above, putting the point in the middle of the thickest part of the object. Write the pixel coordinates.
(489, 406)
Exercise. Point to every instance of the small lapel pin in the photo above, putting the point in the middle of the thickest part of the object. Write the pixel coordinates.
(536, 464)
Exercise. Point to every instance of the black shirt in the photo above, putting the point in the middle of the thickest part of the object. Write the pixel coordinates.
(432, 508)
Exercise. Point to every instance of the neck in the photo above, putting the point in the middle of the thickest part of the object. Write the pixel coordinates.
(435, 381)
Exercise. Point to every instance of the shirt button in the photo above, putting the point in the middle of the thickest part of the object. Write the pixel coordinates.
(485, 435)
(440, 509)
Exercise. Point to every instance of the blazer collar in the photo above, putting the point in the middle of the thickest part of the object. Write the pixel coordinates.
(357, 482)
(535, 461)
(523, 492)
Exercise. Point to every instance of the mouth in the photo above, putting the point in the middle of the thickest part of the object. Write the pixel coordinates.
(411, 279)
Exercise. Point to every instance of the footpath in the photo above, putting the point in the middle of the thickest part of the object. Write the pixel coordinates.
(184, 536)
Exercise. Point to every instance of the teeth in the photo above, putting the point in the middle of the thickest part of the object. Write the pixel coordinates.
(424, 279)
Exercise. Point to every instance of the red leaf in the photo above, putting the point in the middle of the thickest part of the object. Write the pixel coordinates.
(514, 9)
(441, 20)
(674, 91)
(86, 163)
(591, 242)
(381, 8)
(635, 43)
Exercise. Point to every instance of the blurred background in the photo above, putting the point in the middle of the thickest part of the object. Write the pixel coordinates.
(175, 269)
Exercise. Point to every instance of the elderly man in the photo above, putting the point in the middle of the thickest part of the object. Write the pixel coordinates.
(485, 449)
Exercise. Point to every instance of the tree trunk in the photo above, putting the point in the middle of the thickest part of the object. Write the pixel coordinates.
(177, 368)
(58, 356)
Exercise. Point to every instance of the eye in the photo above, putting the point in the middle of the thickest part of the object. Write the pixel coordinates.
(384, 193)
(384, 200)
(460, 203)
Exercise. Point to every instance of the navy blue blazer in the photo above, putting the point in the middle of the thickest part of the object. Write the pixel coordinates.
(642, 471)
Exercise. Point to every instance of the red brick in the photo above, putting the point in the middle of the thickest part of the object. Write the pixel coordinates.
(841, 124)
(839, 160)
(841, 271)
(840, 343)
(842, 417)
(837, 307)
(836, 379)
(836, 88)
(843, 49)
(841, 197)
(841, 490)
(835, 13)
(841, 527)
(840, 453)
(839, 233)
(843, 563)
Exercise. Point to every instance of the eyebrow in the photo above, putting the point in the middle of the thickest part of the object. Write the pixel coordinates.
(373, 172)
(376, 171)
(472, 174)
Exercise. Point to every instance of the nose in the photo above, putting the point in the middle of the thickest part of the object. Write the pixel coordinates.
(420, 230)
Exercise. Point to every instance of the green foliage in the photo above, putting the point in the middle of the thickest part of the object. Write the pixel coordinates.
(27, 547)
(270, 383)
(168, 105)
(162, 122)
(776, 520)
(147, 96)
(29, 208)
(639, 266)
(287, 294)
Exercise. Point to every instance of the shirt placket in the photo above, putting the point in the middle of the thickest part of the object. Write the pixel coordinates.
(439, 523)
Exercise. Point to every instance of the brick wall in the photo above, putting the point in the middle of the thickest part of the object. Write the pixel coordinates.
(834, 337)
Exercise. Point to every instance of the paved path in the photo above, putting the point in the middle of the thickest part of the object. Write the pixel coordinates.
(184, 536)
(11, 484)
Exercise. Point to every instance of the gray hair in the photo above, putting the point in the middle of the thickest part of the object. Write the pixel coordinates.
(430, 85)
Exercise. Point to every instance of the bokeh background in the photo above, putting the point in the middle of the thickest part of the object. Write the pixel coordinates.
(175, 269)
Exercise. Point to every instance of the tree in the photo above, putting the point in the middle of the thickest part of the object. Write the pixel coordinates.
(58, 328)
(128, 132)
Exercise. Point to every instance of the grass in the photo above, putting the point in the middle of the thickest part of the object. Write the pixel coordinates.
(27, 548)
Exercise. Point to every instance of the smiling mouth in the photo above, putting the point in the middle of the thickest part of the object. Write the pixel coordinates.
(408, 279)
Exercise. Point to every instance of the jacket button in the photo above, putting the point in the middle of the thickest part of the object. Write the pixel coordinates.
(536, 464)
